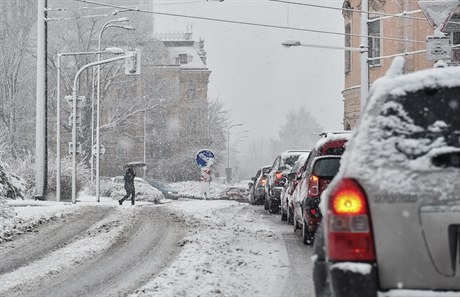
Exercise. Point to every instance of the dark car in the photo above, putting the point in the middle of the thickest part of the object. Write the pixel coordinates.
(257, 192)
(168, 191)
(306, 211)
(276, 179)
(391, 223)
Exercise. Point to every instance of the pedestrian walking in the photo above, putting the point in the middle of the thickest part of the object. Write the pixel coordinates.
(129, 186)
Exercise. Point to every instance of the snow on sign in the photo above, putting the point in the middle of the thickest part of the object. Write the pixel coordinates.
(205, 158)
(438, 12)
(438, 48)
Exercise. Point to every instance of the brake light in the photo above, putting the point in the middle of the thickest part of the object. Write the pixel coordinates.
(264, 181)
(278, 175)
(313, 187)
(349, 234)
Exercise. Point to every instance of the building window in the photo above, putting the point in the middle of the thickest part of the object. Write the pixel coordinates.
(183, 58)
(191, 91)
(374, 41)
(456, 50)
(347, 44)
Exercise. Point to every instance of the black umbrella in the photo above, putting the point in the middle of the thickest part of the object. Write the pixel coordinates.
(134, 164)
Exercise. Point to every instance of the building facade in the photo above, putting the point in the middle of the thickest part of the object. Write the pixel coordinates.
(387, 36)
(173, 87)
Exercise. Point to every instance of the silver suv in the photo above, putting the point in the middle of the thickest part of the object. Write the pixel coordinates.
(391, 223)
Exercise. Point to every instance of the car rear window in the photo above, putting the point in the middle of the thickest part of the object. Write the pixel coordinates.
(290, 160)
(424, 120)
(336, 151)
(327, 167)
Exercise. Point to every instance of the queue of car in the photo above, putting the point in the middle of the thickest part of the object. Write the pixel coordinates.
(381, 204)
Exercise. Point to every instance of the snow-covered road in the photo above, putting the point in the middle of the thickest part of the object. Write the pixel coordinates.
(183, 248)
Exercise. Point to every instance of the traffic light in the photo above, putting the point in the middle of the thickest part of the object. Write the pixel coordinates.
(133, 63)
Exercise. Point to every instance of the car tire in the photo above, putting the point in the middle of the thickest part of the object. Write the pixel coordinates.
(273, 207)
(294, 221)
(283, 215)
(289, 216)
(307, 236)
(266, 204)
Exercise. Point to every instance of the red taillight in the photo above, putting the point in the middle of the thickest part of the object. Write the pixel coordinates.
(264, 181)
(349, 233)
(313, 186)
(278, 175)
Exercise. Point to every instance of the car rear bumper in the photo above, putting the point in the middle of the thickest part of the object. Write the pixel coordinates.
(349, 279)
(259, 192)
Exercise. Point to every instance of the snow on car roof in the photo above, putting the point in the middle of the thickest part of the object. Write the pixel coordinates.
(288, 153)
(370, 147)
(331, 136)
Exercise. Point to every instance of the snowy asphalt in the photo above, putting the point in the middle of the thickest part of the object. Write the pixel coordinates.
(144, 247)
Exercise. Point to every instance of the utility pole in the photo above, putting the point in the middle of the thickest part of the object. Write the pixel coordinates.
(41, 103)
(364, 52)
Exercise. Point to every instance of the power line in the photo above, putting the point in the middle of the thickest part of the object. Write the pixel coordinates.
(249, 23)
(347, 9)
(385, 15)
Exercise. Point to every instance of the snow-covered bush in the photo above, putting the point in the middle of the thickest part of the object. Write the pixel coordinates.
(192, 189)
(11, 185)
(25, 167)
(144, 192)
(83, 177)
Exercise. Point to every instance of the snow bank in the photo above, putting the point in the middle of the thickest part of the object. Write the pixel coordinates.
(144, 192)
(230, 252)
(192, 189)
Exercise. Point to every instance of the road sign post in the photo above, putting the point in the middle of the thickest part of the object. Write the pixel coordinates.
(205, 159)
(438, 48)
(438, 12)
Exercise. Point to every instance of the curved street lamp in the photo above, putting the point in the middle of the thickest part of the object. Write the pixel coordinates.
(98, 96)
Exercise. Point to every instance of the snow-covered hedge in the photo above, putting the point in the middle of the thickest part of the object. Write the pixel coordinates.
(144, 192)
(192, 189)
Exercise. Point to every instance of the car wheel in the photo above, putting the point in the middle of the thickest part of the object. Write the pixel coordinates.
(308, 237)
(274, 208)
(320, 269)
(270, 208)
(289, 216)
(283, 215)
(266, 204)
(294, 221)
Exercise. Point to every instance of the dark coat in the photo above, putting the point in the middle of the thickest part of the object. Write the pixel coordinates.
(129, 180)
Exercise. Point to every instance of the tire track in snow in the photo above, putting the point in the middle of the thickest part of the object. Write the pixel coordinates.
(48, 237)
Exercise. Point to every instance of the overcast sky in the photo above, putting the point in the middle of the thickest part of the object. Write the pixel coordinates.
(257, 78)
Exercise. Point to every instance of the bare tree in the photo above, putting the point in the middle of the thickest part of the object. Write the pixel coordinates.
(15, 75)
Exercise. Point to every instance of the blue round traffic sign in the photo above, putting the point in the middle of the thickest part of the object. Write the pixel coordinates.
(205, 158)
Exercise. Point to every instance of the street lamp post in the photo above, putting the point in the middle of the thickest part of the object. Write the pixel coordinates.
(98, 96)
(74, 119)
(58, 111)
(228, 150)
